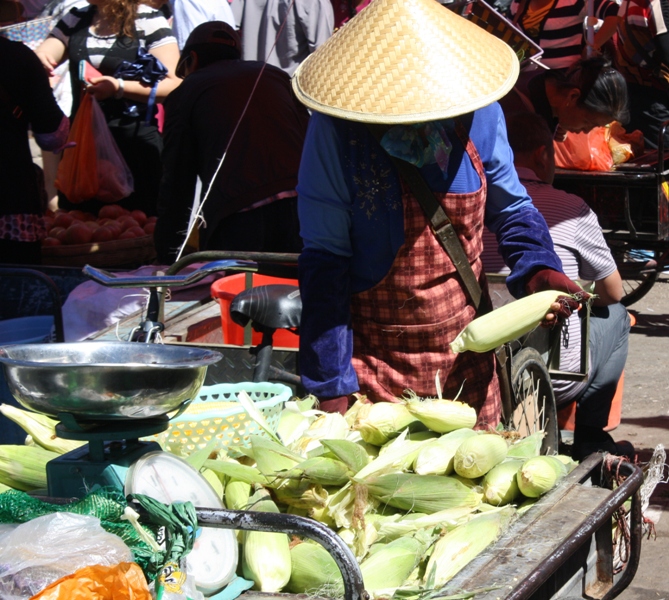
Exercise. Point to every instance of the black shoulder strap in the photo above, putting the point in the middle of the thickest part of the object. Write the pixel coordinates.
(6, 99)
(440, 223)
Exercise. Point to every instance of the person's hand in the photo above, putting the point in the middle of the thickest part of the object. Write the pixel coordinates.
(103, 87)
(564, 306)
(333, 405)
(48, 63)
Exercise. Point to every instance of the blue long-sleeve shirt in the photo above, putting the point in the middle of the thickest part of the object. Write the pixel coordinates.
(352, 224)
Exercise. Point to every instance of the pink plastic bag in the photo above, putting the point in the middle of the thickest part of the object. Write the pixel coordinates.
(584, 151)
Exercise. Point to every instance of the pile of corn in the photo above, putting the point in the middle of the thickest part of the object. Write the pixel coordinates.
(410, 487)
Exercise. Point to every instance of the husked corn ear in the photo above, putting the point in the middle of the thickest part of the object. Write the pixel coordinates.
(24, 467)
(314, 571)
(499, 484)
(539, 475)
(505, 324)
(266, 557)
(390, 566)
(421, 493)
(464, 543)
(442, 416)
(41, 428)
(436, 457)
(383, 421)
(478, 454)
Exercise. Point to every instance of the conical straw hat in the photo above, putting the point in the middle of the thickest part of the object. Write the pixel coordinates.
(406, 61)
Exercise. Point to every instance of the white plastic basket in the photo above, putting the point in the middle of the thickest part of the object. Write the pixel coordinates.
(217, 413)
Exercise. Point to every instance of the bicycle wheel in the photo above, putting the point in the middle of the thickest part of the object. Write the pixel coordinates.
(533, 402)
(638, 274)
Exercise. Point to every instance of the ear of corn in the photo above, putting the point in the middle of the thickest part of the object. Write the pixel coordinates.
(397, 456)
(436, 457)
(383, 421)
(464, 543)
(41, 428)
(300, 493)
(442, 416)
(359, 406)
(237, 471)
(390, 566)
(351, 454)
(507, 323)
(266, 556)
(295, 419)
(538, 475)
(24, 467)
(391, 529)
(421, 493)
(214, 481)
(237, 494)
(477, 455)
(321, 469)
(527, 447)
(331, 426)
(314, 571)
(499, 484)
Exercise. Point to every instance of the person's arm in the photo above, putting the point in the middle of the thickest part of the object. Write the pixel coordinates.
(51, 52)
(608, 290)
(177, 186)
(326, 338)
(606, 31)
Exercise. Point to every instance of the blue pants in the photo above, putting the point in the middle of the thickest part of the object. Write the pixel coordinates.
(609, 333)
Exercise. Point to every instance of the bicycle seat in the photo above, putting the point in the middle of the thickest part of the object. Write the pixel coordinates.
(274, 306)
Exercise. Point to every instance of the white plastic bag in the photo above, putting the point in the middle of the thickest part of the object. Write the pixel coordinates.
(43, 550)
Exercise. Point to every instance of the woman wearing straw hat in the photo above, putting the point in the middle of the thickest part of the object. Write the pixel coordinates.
(381, 297)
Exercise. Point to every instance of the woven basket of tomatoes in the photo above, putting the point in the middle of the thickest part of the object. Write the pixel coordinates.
(116, 237)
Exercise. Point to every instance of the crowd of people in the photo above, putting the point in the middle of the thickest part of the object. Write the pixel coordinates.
(224, 151)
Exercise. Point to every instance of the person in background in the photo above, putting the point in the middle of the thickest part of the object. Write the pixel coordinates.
(557, 26)
(345, 10)
(590, 94)
(188, 14)
(26, 100)
(642, 56)
(382, 300)
(106, 33)
(285, 32)
(584, 254)
(253, 203)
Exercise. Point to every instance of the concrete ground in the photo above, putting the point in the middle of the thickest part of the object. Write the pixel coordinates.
(645, 423)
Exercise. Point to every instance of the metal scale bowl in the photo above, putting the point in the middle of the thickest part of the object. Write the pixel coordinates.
(108, 394)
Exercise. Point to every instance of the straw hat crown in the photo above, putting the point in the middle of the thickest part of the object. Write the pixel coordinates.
(406, 61)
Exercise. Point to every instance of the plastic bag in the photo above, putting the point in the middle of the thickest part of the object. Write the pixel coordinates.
(120, 582)
(94, 167)
(584, 151)
(624, 145)
(41, 551)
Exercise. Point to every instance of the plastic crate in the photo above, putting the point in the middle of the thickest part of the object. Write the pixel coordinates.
(224, 291)
(216, 413)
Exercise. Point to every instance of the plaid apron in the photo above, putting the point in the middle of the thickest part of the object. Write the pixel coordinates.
(402, 327)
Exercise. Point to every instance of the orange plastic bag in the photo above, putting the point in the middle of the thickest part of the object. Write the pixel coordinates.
(585, 151)
(94, 167)
(124, 581)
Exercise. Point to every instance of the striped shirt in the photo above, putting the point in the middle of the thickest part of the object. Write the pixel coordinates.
(152, 28)
(580, 244)
(561, 33)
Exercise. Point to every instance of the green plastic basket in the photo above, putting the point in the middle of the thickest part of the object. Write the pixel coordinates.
(216, 413)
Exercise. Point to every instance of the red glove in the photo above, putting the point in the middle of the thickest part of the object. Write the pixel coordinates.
(333, 405)
(549, 279)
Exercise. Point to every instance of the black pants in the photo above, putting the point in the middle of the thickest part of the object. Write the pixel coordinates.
(649, 107)
(20, 253)
(270, 228)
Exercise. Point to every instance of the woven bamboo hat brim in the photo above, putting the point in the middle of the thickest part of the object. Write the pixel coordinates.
(406, 61)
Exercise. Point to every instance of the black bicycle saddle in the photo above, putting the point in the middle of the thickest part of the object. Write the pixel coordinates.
(274, 306)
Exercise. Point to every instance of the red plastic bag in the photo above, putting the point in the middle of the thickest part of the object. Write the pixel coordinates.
(585, 151)
(94, 167)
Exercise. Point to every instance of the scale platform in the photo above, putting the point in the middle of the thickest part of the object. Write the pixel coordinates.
(112, 447)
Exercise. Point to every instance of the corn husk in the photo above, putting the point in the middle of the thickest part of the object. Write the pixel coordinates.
(436, 457)
(237, 494)
(391, 529)
(40, 428)
(539, 475)
(320, 469)
(499, 484)
(348, 506)
(295, 418)
(398, 455)
(464, 543)
(351, 454)
(567, 461)
(440, 415)
(271, 457)
(327, 426)
(378, 423)
(233, 469)
(360, 539)
(506, 323)
(527, 447)
(24, 467)
(477, 455)
(390, 566)
(421, 493)
(266, 556)
(314, 571)
(300, 493)
(214, 480)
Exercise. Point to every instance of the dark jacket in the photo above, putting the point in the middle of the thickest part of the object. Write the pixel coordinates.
(262, 160)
